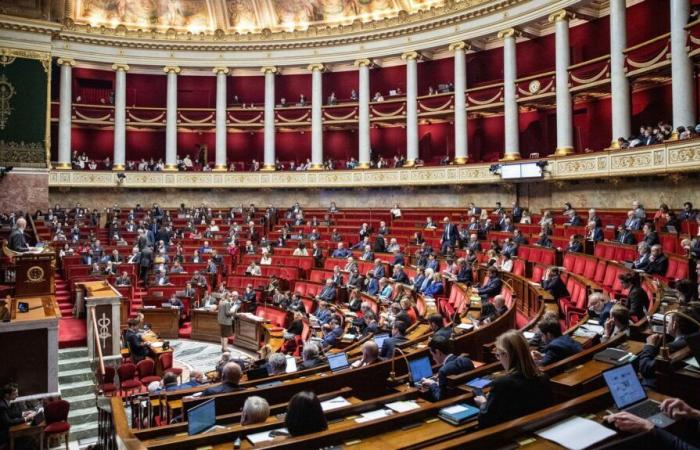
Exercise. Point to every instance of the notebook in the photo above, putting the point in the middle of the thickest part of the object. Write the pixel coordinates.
(614, 356)
(458, 414)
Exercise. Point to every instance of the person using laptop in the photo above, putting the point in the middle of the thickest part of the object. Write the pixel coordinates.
(654, 436)
(523, 388)
(558, 346)
(679, 328)
(370, 355)
(442, 352)
(11, 413)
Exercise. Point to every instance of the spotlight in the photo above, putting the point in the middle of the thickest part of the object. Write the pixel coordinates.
(495, 168)
(120, 178)
(542, 164)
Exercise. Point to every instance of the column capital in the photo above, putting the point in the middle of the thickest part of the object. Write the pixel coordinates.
(508, 33)
(410, 55)
(66, 62)
(269, 69)
(117, 67)
(318, 66)
(560, 16)
(461, 45)
(171, 69)
(362, 63)
(218, 70)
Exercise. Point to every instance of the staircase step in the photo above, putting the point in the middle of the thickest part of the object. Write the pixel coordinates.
(82, 415)
(77, 388)
(81, 401)
(83, 431)
(71, 353)
(69, 376)
(82, 362)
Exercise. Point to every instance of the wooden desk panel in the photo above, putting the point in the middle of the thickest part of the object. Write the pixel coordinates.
(205, 326)
(163, 321)
(249, 332)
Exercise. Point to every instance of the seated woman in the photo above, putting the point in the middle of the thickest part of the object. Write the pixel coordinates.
(637, 299)
(305, 415)
(435, 288)
(522, 390)
(295, 329)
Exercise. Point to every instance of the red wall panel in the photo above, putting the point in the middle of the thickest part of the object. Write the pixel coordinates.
(342, 83)
(196, 91)
(432, 73)
(97, 144)
(384, 79)
(249, 89)
(291, 86)
(145, 144)
(146, 90)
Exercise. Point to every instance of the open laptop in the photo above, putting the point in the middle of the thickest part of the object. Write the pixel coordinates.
(420, 368)
(338, 361)
(201, 417)
(630, 396)
(379, 339)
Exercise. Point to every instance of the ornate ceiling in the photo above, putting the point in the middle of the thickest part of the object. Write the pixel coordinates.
(242, 15)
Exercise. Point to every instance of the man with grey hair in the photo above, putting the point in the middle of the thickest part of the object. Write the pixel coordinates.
(230, 378)
(599, 305)
(310, 356)
(370, 354)
(658, 262)
(276, 364)
(255, 410)
(17, 241)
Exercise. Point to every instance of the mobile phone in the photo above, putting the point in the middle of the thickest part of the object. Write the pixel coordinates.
(237, 443)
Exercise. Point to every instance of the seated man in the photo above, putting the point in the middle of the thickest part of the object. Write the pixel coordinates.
(341, 251)
(333, 333)
(658, 262)
(328, 292)
(11, 414)
(370, 355)
(310, 356)
(441, 350)
(399, 276)
(398, 336)
(599, 307)
(123, 280)
(552, 283)
(197, 378)
(323, 314)
(437, 325)
(494, 285)
(557, 345)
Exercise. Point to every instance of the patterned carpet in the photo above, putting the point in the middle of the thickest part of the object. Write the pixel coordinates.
(202, 356)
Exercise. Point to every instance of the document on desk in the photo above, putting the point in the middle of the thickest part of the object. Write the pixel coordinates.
(373, 415)
(334, 403)
(594, 327)
(403, 406)
(265, 436)
(576, 433)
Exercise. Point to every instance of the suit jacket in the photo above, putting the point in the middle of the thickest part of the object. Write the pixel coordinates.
(658, 266)
(556, 287)
(514, 396)
(491, 289)
(576, 247)
(465, 274)
(10, 414)
(651, 239)
(474, 246)
(560, 348)
(510, 250)
(596, 235)
(146, 257)
(372, 286)
(401, 277)
(333, 336)
(449, 233)
(626, 237)
(17, 242)
(222, 388)
(398, 259)
(453, 365)
(327, 293)
(387, 350)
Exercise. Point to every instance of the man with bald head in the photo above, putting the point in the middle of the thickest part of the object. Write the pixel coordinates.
(370, 355)
(17, 241)
(230, 378)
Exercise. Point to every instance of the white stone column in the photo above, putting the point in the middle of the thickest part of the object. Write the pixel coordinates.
(316, 116)
(119, 158)
(411, 59)
(363, 138)
(64, 113)
(681, 67)
(171, 119)
(565, 114)
(510, 99)
(460, 83)
(620, 89)
(220, 164)
(269, 159)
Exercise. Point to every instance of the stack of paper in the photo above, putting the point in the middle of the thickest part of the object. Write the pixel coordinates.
(334, 403)
(373, 415)
(264, 436)
(403, 406)
(576, 433)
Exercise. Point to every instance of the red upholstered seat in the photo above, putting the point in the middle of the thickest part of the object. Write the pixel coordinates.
(57, 427)
(147, 371)
(56, 414)
(106, 381)
(127, 378)
(166, 363)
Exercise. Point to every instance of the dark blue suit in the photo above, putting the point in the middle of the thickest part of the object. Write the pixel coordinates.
(556, 287)
(449, 236)
(491, 289)
(387, 350)
(560, 348)
(373, 286)
(401, 277)
(378, 271)
(453, 365)
(626, 237)
(398, 259)
(597, 234)
(605, 313)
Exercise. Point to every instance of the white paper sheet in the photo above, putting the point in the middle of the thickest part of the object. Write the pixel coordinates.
(263, 436)
(372, 415)
(334, 403)
(576, 433)
(403, 406)
(593, 327)
(456, 409)
(528, 334)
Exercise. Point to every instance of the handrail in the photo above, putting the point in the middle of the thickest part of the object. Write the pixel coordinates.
(650, 41)
(590, 61)
(31, 222)
(96, 333)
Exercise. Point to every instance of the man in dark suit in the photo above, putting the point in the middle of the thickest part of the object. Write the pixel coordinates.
(310, 356)
(658, 262)
(399, 275)
(88, 258)
(599, 306)
(624, 236)
(494, 285)
(509, 248)
(231, 376)
(642, 261)
(17, 241)
(145, 262)
(449, 236)
(474, 210)
(553, 284)
(437, 326)
(137, 347)
(328, 292)
(398, 336)
(333, 333)
(474, 245)
(557, 346)
(441, 350)
(595, 233)
(398, 258)
(517, 212)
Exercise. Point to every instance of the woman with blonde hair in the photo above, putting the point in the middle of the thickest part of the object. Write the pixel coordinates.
(523, 388)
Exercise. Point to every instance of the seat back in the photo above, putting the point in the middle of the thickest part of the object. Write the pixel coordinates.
(126, 371)
(56, 411)
(166, 360)
(146, 367)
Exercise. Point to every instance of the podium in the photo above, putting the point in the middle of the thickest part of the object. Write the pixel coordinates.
(163, 321)
(35, 274)
(103, 306)
(249, 331)
(205, 325)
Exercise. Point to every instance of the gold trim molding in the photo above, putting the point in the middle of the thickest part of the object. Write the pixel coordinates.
(672, 157)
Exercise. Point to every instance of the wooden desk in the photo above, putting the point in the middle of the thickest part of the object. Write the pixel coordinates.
(40, 308)
(205, 325)
(163, 321)
(27, 430)
(249, 331)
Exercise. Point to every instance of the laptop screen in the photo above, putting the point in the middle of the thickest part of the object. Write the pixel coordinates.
(379, 340)
(201, 417)
(420, 368)
(338, 361)
(624, 386)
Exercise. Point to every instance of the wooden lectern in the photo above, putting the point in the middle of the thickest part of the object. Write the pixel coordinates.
(249, 331)
(103, 304)
(35, 274)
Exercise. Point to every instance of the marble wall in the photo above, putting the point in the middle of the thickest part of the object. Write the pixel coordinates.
(609, 193)
(24, 189)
